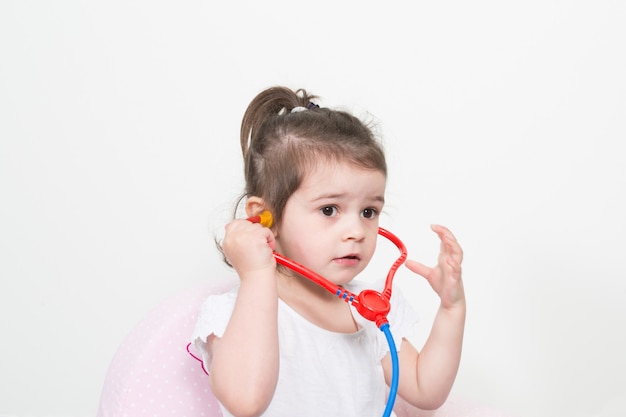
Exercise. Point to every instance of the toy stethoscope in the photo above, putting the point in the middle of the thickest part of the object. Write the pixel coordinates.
(370, 304)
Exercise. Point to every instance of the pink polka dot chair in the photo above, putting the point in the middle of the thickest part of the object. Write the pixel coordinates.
(153, 375)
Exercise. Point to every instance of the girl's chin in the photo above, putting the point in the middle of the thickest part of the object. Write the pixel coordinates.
(343, 279)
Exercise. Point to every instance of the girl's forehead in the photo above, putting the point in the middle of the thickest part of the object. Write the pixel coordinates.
(330, 167)
(343, 177)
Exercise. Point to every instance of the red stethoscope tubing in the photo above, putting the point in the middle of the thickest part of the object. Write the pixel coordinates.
(371, 304)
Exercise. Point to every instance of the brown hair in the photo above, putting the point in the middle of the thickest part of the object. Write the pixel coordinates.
(280, 146)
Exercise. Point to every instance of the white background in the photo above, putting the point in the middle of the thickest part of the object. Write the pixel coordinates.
(505, 121)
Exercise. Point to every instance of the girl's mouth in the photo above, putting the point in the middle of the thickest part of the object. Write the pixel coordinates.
(348, 260)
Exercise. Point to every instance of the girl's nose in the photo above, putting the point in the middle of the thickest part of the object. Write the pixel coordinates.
(354, 228)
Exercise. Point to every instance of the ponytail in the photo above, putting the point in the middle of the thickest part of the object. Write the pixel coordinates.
(268, 105)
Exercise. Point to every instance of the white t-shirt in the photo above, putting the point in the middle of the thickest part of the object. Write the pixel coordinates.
(322, 373)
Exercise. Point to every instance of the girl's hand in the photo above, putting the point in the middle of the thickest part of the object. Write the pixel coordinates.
(248, 247)
(445, 277)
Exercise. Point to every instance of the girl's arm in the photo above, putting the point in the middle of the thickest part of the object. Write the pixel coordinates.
(426, 377)
(244, 369)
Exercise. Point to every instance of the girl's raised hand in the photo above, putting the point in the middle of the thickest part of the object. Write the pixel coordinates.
(445, 277)
(248, 247)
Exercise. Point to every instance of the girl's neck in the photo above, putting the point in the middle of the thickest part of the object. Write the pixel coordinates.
(315, 303)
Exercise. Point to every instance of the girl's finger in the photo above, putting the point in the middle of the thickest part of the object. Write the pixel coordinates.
(449, 244)
(418, 268)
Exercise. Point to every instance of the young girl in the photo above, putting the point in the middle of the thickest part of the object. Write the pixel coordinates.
(280, 345)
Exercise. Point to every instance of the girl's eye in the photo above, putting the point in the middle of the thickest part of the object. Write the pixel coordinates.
(329, 211)
(369, 213)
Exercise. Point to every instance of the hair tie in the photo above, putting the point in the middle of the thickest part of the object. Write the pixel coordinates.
(309, 106)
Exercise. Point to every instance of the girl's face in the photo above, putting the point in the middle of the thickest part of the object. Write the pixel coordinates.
(330, 224)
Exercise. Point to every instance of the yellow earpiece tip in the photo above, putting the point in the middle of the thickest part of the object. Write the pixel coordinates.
(266, 219)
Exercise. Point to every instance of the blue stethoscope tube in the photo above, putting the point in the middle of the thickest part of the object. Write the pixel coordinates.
(395, 367)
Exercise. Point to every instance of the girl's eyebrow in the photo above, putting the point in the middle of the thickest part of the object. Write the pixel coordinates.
(339, 196)
(329, 197)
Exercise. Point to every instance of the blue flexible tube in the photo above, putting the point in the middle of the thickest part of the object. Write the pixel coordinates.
(395, 370)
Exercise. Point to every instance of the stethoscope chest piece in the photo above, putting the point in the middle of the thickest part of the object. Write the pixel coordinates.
(373, 306)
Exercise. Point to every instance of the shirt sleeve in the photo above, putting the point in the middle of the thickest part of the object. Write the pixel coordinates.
(212, 320)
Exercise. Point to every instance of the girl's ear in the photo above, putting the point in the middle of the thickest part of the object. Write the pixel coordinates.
(255, 206)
